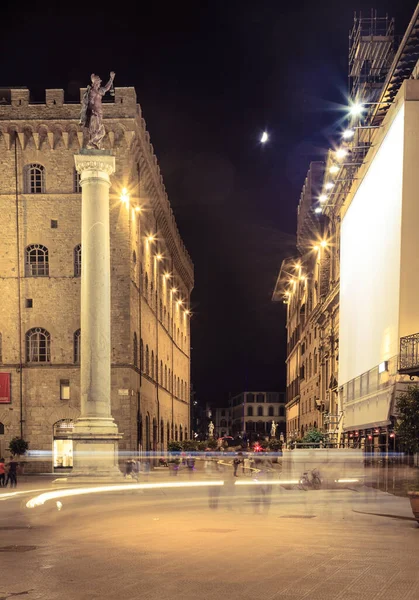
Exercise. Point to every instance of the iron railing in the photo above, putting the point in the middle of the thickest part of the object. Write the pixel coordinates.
(409, 353)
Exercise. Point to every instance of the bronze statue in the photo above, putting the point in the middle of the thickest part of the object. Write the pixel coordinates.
(91, 110)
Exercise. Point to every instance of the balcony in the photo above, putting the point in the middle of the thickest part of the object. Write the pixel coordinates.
(409, 355)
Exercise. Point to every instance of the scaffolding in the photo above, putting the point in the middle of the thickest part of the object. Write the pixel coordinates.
(371, 53)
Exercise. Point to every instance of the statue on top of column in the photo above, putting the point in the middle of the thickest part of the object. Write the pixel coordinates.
(91, 110)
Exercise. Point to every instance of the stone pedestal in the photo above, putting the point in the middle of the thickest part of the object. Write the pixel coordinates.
(95, 435)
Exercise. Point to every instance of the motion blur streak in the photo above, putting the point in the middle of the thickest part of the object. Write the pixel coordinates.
(346, 480)
(42, 498)
(267, 482)
(13, 494)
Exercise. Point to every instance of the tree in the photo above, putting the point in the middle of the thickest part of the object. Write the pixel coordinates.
(18, 446)
(407, 426)
(313, 436)
(174, 446)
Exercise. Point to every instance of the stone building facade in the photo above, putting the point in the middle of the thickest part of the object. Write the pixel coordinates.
(252, 414)
(40, 264)
(308, 284)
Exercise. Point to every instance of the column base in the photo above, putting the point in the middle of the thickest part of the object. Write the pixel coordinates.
(95, 449)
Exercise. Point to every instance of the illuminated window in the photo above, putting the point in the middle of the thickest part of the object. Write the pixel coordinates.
(37, 261)
(34, 179)
(38, 342)
(77, 261)
(64, 389)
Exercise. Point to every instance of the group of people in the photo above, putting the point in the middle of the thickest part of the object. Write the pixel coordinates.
(8, 472)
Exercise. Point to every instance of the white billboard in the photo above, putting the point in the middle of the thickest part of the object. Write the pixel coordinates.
(370, 262)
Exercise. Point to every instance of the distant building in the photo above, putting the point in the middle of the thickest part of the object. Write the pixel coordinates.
(252, 414)
(222, 422)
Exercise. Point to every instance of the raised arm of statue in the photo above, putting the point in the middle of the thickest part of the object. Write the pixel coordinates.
(108, 86)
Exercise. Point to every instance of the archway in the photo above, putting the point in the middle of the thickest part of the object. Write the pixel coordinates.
(147, 433)
(155, 434)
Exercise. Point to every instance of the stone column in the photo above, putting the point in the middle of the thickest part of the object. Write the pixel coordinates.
(95, 437)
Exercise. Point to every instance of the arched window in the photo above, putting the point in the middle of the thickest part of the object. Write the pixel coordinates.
(77, 339)
(164, 316)
(176, 433)
(157, 368)
(38, 345)
(162, 433)
(310, 366)
(249, 426)
(271, 411)
(178, 387)
(165, 376)
(135, 350)
(282, 411)
(161, 311)
(34, 179)
(142, 355)
(260, 398)
(146, 284)
(260, 426)
(134, 257)
(77, 261)
(180, 433)
(223, 423)
(250, 411)
(161, 373)
(260, 411)
(168, 431)
(315, 361)
(37, 264)
(170, 383)
(147, 360)
(1, 429)
(152, 364)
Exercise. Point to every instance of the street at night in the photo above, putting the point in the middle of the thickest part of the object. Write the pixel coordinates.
(188, 543)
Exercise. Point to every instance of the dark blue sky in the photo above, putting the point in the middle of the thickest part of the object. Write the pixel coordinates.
(210, 77)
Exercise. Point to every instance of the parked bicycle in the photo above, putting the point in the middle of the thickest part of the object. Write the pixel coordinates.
(310, 480)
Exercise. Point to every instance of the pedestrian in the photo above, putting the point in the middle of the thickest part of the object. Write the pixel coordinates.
(2, 473)
(128, 469)
(12, 472)
(236, 463)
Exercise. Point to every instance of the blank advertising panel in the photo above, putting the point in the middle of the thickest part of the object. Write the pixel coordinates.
(370, 262)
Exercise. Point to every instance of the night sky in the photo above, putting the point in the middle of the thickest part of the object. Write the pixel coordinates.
(210, 77)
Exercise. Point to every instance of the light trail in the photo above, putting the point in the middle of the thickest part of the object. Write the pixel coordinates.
(14, 494)
(63, 493)
(266, 482)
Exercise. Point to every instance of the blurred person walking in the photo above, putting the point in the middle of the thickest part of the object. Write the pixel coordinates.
(2, 473)
(12, 472)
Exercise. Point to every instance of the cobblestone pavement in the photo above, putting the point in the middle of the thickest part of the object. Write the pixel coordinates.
(232, 543)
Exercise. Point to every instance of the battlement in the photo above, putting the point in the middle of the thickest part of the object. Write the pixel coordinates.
(13, 99)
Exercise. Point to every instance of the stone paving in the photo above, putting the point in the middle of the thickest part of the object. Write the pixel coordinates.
(184, 544)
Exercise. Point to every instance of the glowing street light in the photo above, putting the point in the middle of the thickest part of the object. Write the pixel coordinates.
(334, 169)
(151, 238)
(348, 134)
(318, 210)
(356, 109)
(159, 257)
(264, 138)
(125, 196)
(341, 153)
(329, 185)
(323, 198)
(323, 243)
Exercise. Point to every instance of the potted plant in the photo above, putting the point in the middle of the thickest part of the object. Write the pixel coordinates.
(407, 428)
(18, 447)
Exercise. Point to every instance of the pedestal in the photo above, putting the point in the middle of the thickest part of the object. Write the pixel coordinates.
(95, 435)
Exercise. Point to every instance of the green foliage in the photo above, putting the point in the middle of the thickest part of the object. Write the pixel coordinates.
(313, 436)
(211, 443)
(189, 446)
(408, 420)
(202, 446)
(174, 446)
(18, 446)
(274, 445)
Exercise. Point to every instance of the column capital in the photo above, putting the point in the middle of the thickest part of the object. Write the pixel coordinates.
(95, 163)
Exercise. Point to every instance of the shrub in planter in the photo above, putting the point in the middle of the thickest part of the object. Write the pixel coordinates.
(18, 446)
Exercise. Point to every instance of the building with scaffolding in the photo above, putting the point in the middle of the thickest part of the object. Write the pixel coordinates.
(368, 265)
